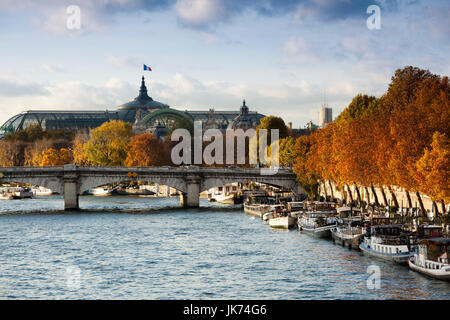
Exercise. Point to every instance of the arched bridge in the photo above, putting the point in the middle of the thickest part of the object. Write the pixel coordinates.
(71, 180)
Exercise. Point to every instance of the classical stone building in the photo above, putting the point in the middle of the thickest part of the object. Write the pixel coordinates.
(145, 113)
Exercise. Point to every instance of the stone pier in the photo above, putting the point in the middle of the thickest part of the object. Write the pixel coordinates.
(191, 199)
(71, 202)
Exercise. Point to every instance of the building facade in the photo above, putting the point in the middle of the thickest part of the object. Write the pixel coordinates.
(146, 115)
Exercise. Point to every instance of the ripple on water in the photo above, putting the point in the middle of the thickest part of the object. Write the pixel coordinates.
(133, 248)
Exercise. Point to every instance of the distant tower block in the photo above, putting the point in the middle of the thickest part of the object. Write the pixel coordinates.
(325, 116)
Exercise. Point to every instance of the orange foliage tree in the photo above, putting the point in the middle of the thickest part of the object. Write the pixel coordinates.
(433, 169)
(386, 141)
(54, 157)
(146, 150)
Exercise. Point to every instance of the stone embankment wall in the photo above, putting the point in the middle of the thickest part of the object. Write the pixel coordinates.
(349, 192)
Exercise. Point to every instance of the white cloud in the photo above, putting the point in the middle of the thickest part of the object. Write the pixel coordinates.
(122, 62)
(296, 100)
(53, 68)
(298, 50)
(201, 13)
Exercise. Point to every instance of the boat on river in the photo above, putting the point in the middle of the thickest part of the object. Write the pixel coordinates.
(6, 196)
(284, 222)
(11, 193)
(349, 234)
(41, 191)
(132, 191)
(317, 224)
(224, 198)
(350, 231)
(431, 258)
(386, 242)
(258, 204)
(319, 220)
(100, 191)
(295, 208)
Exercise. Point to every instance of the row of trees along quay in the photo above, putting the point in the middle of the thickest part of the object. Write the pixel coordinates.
(400, 139)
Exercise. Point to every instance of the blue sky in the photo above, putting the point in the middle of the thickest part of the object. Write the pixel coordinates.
(281, 56)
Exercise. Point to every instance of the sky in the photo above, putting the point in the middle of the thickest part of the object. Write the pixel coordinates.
(284, 57)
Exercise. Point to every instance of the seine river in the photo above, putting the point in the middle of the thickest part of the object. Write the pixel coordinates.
(131, 248)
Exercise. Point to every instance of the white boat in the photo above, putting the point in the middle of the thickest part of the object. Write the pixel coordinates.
(101, 191)
(286, 222)
(274, 211)
(386, 242)
(6, 196)
(317, 224)
(267, 216)
(225, 198)
(41, 191)
(431, 258)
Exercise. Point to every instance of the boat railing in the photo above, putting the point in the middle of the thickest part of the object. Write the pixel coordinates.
(352, 230)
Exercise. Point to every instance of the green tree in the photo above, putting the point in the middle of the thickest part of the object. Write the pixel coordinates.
(272, 122)
(287, 152)
(107, 145)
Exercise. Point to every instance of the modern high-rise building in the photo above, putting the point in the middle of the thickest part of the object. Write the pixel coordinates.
(325, 116)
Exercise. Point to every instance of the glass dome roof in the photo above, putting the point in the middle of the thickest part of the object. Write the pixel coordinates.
(53, 120)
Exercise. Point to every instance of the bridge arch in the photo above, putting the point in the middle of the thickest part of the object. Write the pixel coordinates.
(86, 183)
(212, 182)
(53, 182)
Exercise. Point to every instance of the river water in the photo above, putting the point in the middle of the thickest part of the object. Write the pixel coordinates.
(146, 248)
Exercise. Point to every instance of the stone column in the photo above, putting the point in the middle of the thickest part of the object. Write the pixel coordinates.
(70, 188)
(191, 199)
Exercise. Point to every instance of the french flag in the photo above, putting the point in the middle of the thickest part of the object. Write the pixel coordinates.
(147, 68)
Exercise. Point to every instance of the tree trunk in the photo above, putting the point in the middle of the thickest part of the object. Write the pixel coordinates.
(367, 194)
(331, 189)
(393, 197)
(422, 208)
(408, 196)
(435, 209)
(324, 189)
(384, 196)
(443, 206)
(343, 195)
(349, 192)
(358, 195)
(375, 195)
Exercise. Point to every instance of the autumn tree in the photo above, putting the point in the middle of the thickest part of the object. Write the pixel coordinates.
(34, 152)
(11, 153)
(146, 150)
(80, 155)
(307, 179)
(433, 169)
(107, 145)
(54, 157)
